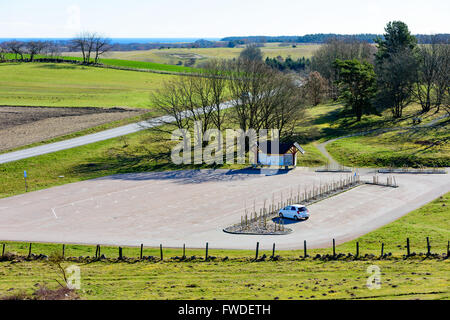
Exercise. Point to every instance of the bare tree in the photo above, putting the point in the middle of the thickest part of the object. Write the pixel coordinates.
(324, 58)
(315, 88)
(85, 42)
(216, 72)
(3, 52)
(15, 47)
(265, 98)
(432, 83)
(34, 48)
(101, 46)
(52, 49)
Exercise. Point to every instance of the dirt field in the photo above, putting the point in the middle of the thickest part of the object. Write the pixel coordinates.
(193, 207)
(21, 126)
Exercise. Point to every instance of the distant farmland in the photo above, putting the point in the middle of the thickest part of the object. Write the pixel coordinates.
(175, 55)
(68, 85)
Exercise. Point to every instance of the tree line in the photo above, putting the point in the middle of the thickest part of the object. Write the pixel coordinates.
(91, 45)
(394, 73)
(323, 38)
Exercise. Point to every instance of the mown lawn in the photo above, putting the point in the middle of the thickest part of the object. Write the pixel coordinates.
(239, 278)
(66, 85)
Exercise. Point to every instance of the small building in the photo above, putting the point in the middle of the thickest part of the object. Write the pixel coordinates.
(282, 154)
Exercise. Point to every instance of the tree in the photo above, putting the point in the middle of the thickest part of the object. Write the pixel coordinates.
(88, 43)
(265, 98)
(101, 46)
(431, 87)
(34, 48)
(52, 49)
(15, 47)
(357, 85)
(3, 53)
(251, 52)
(324, 58)
(396, 68)
(315, 88)
(397, 38)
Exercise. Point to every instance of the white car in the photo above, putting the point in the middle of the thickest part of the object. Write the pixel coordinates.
(295, 211)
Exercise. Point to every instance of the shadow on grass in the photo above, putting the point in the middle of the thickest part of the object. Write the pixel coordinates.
(57, 66)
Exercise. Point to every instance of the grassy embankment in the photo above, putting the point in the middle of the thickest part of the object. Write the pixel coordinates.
(291, 277)
(411, 146)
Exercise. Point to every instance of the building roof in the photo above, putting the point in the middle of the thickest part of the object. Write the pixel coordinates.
(270, 148)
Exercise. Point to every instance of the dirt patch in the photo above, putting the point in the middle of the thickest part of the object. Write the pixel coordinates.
(21, 126)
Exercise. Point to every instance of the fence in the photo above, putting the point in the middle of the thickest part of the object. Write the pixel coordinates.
(261, 223)
(334, 255)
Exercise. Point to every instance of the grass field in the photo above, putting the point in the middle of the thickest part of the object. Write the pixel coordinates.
(47, 84)
(427, 147)
(173, 56)
(239, 278)
(120, 63)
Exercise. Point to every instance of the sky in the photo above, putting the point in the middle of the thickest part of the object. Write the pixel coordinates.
(216, 19)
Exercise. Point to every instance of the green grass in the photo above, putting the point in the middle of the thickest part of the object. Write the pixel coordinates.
(427, 147)
(120, 63)
(239, 278)
(65, 85)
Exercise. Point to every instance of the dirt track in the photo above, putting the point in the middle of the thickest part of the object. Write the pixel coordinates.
(193, 207)
(21, 126)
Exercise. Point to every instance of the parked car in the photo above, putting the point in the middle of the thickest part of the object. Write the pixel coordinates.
(295, 211)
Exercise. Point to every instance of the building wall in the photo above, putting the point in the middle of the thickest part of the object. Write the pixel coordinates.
(275, 160)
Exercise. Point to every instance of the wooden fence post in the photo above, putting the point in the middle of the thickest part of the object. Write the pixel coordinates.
(63, 250)
(273, 250)
(184, 250)
(206, 253)
(428, 246)
(304, 249)
(99, 251)
(448, 248)
(382, 249)
(142, 250)
(3, 250)
(257, 249)
(120, 253)
(161, 252)
(357, 249)
(29, 251)
(408, 251)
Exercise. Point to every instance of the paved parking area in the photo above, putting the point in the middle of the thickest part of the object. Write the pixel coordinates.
(193, 207)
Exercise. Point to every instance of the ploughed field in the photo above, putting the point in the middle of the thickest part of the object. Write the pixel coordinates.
(20, 126)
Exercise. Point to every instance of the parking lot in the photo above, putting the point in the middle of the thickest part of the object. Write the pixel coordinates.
(193, 207)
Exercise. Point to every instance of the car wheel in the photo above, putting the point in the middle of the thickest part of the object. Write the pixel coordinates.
(306, 218)
(296, 218)
(281, 216)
